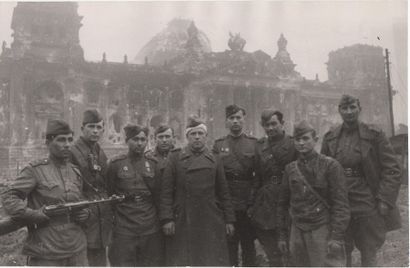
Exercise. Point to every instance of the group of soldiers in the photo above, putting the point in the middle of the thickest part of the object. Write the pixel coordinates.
(194, 206)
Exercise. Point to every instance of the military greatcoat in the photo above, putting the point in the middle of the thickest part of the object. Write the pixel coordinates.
(194, 194)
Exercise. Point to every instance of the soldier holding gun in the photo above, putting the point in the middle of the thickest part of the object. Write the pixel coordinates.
(57, 240)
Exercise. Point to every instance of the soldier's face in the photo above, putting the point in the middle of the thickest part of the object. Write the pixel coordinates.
(165, 140)
(235, 122)
(60, 146)
(350, 112)
(196, 138)
(306, 142)
(273, 127)
(93, 132)
(138, 143)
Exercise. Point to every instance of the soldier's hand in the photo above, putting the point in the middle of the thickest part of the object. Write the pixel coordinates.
(383, 208)
(81, 216)
(230, 229)
(283, 246)
(36, 215)
(169, 228)
(335, 247)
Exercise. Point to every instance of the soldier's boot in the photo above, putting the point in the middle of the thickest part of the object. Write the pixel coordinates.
(248, 254)
(349, 249)
(275, 259)
(233, 246)
(369, 258)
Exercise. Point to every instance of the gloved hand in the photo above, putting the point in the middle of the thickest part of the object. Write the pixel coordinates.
(283, 246)
(334, 247)
(169, 228)
(81, 216)
(230, 229)
(36, 215)
(383, 208)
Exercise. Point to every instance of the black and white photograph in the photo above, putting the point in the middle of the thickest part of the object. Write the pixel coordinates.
(204, 133)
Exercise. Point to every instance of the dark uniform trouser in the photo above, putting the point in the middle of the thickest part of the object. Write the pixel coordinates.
(368, 235)
(245, 235)
(97, 257)
(78, 259)
(308, 248)
(145, 250)
(269, 240)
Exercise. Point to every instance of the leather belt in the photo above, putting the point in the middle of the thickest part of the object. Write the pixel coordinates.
(353, 172)
(54, 221)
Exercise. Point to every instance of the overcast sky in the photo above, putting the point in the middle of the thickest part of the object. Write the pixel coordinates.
(312, 28)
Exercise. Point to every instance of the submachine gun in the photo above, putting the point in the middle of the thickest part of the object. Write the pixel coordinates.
(11, 224)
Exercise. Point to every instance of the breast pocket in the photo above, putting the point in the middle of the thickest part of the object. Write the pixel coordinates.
(126, 181)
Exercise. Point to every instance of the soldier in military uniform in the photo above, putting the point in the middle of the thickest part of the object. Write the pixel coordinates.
(164, 143)
(195, 209)
(373, 179)
(273, 153)
(314, 191)
(237, 152)
(57, 240)
(90, 158)
(137, 240)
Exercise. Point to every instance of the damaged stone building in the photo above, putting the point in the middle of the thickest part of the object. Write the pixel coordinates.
(43, 74)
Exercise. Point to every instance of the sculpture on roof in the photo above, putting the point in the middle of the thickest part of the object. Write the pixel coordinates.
(236, 42)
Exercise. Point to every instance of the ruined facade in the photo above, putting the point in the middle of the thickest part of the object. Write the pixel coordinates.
(43, 75)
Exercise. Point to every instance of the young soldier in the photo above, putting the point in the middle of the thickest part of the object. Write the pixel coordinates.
(90, 158)
(373, 180)
(315, 193)
(137, 240)
(237, 152)
(57, 240)
(273, 153)
(196, 209)
(164, 143)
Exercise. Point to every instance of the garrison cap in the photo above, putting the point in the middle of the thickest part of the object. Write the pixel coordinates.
(133, 130)
(302, 128)
(57, 127)
(91, 116)
(348, 99)
(233, 109)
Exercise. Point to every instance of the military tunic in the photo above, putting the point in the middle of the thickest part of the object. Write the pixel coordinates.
(136, 223)
(314, 220)
(47, 182)
(194, 194)
(372, 174)
(238, 157)
(92, 162)
(271, 158)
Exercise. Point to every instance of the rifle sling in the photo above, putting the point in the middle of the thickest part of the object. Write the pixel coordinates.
(315, 193)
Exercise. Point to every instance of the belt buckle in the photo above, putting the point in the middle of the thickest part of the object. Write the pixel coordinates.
(137, 198)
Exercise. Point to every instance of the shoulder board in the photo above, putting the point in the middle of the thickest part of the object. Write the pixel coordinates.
(39, 162)
(373, 127)
(118, 157)
(176, 150)
(220, 139)
(250, 137)
(262, 140)
(149, 152)
(149, 156)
